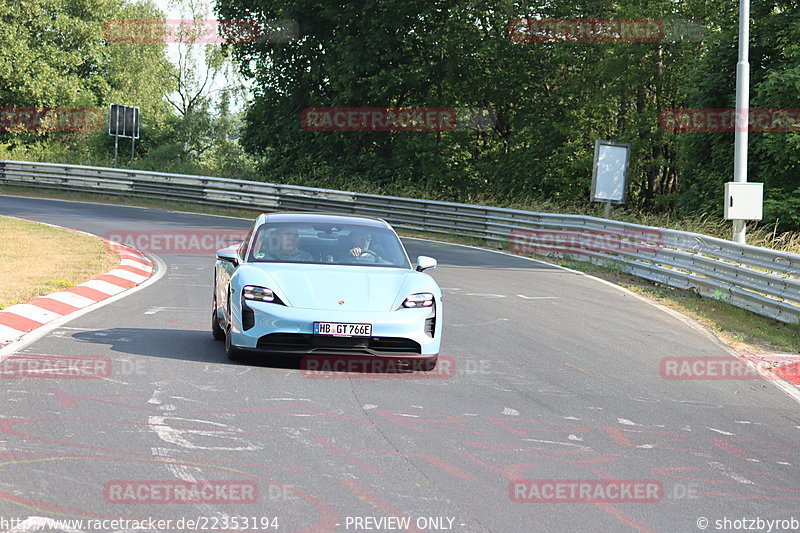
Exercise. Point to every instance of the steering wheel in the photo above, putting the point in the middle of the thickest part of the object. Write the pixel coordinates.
(373, 253)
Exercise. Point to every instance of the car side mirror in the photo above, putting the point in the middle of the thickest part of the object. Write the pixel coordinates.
(229, 255)
(425, 263)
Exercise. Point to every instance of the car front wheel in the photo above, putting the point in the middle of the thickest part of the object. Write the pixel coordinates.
(216, 329)
(233, 353)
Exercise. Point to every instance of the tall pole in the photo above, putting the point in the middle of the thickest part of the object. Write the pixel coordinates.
(742, 110)
(116, 149)
(116, 137)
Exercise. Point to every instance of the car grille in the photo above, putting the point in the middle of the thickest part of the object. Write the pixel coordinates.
(306, 343)
(430, 326)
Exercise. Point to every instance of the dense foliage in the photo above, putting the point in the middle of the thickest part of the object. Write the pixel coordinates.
(548, 101)
(62, 54)
(551, 100)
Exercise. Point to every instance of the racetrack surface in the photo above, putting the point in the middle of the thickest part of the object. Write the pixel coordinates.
(554, 376)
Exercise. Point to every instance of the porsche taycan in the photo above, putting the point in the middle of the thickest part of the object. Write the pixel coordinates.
(325, 284)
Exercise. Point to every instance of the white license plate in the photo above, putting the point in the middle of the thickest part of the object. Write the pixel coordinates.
(339, 329)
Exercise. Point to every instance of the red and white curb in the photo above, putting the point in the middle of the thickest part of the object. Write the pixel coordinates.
(786, 366)
(19, 320)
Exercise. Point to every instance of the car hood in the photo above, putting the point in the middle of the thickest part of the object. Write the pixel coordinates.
(329, 286)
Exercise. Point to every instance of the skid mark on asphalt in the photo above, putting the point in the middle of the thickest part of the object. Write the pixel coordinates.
(720, 431)
(183, 473)
(729, 473)
(178, 437)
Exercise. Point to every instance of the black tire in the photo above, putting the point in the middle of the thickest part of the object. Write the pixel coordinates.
(216, 329)
(233, 353)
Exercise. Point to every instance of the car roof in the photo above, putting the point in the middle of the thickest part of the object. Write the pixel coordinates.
(322, 218)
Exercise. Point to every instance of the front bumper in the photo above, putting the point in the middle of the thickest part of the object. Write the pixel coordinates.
(288, 330)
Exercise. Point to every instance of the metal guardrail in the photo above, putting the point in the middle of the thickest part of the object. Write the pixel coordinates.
(761, 280)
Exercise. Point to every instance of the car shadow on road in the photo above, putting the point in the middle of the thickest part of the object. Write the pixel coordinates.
(199, 347)
(181, 344)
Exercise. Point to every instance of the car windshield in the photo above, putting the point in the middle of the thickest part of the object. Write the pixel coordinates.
(340, 244)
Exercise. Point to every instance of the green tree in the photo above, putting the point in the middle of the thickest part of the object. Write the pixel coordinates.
(57, 54)
(774, 83)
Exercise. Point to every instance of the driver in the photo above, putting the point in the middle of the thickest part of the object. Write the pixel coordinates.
(287, 247)
(360, 241)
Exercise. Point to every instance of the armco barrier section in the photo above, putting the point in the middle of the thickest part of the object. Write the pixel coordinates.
(761, 280)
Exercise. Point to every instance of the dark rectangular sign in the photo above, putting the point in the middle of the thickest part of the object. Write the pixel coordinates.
(123, 121)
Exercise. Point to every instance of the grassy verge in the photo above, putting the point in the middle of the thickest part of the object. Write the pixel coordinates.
(741, 329)
(40, 259)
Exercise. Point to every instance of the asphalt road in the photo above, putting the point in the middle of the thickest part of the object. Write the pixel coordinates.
(548, 375)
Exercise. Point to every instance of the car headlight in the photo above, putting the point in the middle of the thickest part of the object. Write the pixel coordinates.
(419, 299)
(258, 294)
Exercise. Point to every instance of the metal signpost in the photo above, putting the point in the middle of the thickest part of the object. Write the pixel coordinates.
(743, 200)
(610, 173)
(742, 115)
(123, 121)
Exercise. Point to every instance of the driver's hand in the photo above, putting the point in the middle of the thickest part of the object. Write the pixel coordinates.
(355, 252)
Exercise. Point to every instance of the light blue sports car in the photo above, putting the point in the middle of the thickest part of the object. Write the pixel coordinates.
(322, 284)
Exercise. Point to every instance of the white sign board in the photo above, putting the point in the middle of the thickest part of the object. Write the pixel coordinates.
(610, 172)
